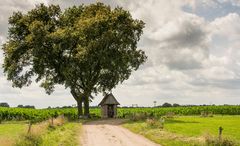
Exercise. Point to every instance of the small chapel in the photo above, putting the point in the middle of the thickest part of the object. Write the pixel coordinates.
(109, 106)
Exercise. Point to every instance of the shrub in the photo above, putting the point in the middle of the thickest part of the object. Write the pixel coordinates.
(206, 114)
(29, 140)
(155, 123)
(59, 121)
(162, 121)
(137, 116)
(151, 122)
(170, 115)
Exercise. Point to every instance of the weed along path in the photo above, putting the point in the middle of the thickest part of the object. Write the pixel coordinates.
(110, 133)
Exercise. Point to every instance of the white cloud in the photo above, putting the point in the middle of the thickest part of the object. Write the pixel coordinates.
(171, 37)
(227, 25)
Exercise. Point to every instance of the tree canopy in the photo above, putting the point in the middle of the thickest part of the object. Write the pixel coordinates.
(87, 48)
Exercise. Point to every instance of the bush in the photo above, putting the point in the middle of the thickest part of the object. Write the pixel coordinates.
(137, 116)
(170, 115)
(206, 114)
(155, 123)
(29, 140)
(55, 122)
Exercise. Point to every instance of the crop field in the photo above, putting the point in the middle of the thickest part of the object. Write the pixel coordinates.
(38, 115)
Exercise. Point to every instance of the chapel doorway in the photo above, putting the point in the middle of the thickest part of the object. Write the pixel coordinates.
(110, 111)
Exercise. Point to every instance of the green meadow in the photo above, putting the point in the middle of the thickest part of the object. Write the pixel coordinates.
(189, 130)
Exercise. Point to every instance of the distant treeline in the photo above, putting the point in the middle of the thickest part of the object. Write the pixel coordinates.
(5, 104)
(166, 104)
(26, 106)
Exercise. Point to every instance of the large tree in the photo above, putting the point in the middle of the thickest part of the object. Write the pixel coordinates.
(87, 48)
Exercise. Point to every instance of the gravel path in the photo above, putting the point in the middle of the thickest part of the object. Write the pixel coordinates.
(110, 133)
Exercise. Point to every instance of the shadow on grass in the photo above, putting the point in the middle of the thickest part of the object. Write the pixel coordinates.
(105, 122)
(172, 121)
(14, 122)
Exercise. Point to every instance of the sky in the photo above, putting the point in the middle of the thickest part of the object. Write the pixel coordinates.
(193, 50)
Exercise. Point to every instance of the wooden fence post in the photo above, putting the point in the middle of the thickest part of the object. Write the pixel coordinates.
(220, 133)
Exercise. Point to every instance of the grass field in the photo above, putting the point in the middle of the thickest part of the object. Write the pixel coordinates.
(10, 132)
(189, 130)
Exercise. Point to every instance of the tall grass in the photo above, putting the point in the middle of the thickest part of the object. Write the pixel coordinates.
(34, 135)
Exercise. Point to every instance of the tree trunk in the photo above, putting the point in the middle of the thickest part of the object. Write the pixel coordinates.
(79, 106)
(86, 105)
(79, 101)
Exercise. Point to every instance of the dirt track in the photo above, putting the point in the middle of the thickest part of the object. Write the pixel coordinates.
(110, 133)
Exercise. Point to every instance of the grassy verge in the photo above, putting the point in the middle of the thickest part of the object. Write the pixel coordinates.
(66, 135)
(195, 126)
(56, 133)
(189, 130)
(10, 132)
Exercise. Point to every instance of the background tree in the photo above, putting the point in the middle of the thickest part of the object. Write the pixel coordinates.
(89, 49)
(20, 106)
(176, 105)
(167, 104)
(4, 104)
